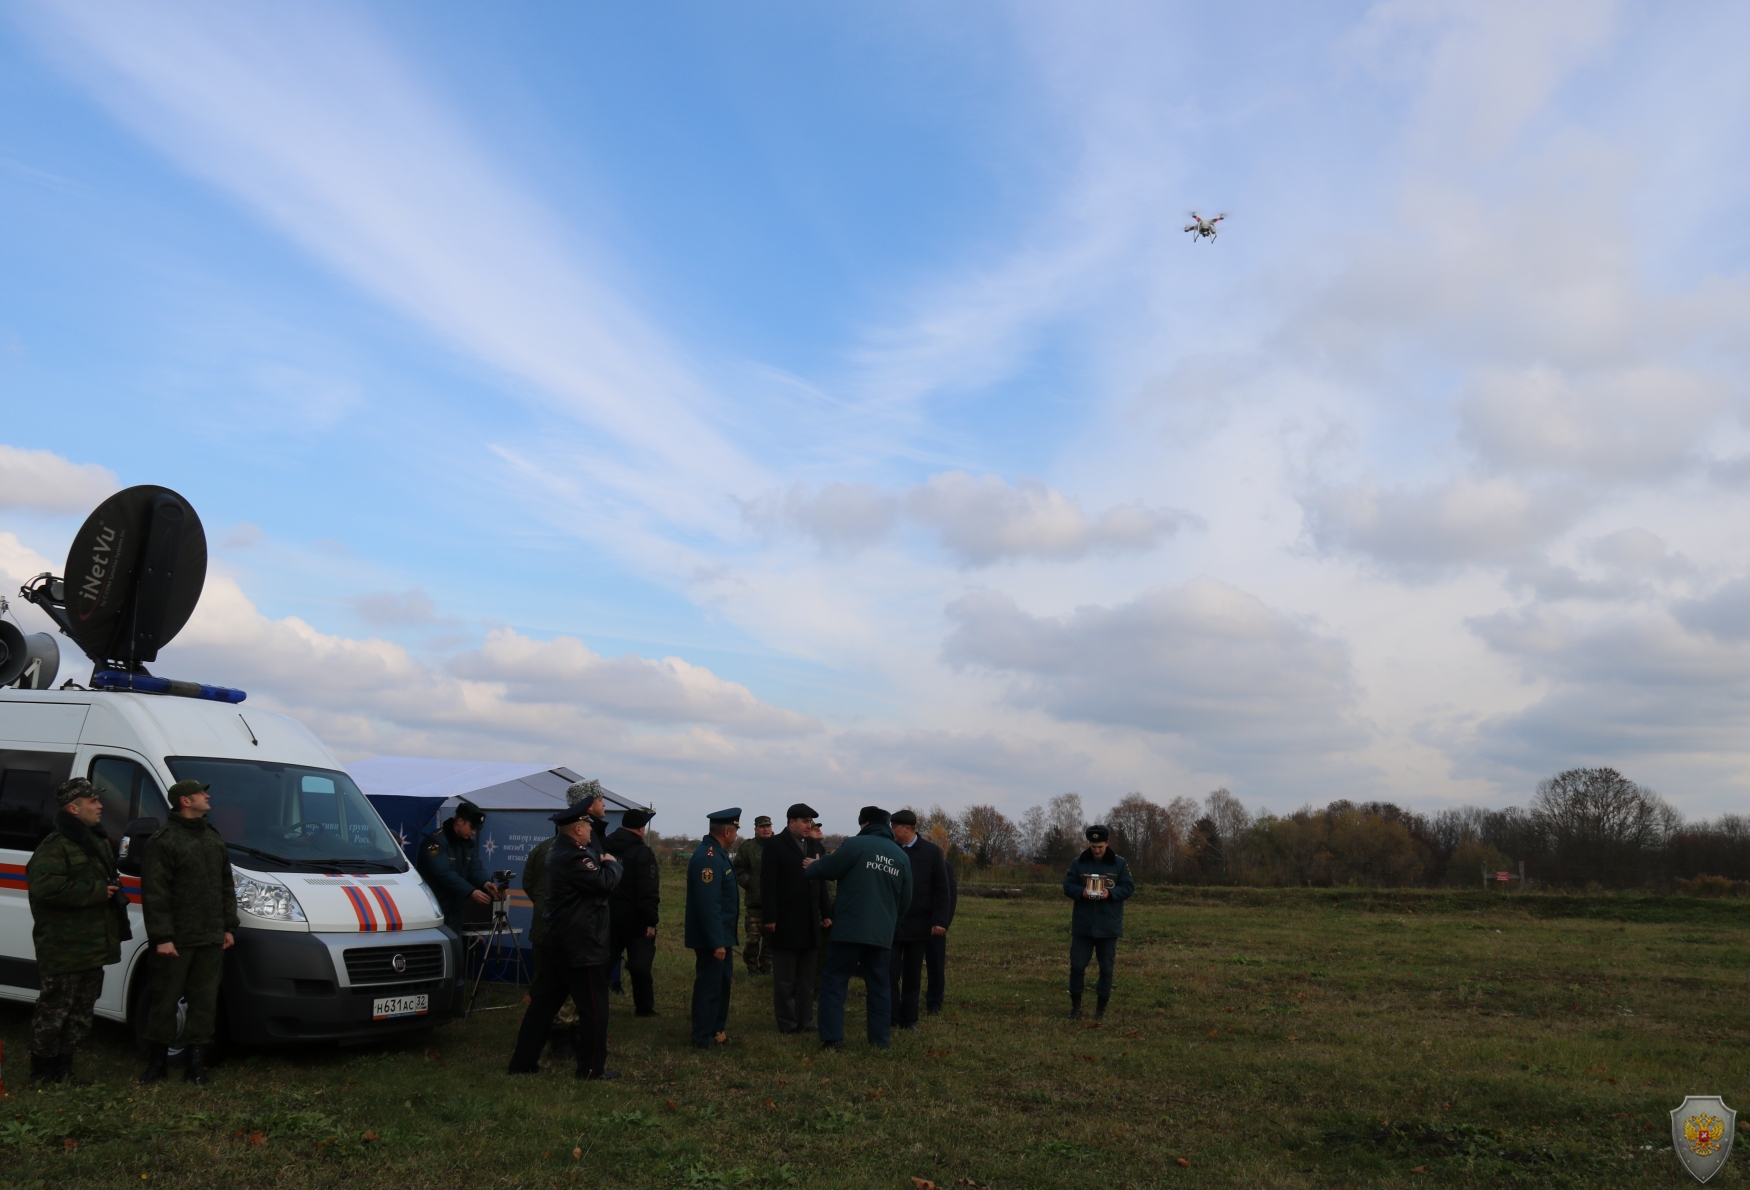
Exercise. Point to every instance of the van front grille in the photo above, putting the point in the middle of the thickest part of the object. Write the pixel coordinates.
(376, 964)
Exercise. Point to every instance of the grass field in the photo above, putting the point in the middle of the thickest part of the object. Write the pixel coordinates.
(1266, 1038)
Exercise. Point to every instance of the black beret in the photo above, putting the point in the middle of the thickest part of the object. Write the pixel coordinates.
(1099, 834)
(634, 819)
(872, 816)
(801, 810)
(905, 818)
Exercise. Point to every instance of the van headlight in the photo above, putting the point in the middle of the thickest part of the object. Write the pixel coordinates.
(259, 898)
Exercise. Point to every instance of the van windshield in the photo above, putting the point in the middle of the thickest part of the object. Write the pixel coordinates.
(286, 816)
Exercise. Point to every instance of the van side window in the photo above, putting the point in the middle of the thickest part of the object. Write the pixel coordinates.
(28, 781)
(128, 791)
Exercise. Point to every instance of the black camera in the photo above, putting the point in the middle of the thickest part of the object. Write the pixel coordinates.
(503, 879)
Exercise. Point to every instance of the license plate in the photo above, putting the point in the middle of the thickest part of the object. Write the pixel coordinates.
(389, 1007)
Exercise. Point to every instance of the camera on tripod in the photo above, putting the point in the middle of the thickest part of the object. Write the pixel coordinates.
(503, 879)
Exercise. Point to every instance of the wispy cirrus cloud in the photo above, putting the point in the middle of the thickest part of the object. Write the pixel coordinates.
(316, 124)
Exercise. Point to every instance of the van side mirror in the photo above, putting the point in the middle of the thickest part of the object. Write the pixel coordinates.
(134, 838)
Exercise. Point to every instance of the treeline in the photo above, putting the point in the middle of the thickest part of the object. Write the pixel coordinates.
(1584, 827)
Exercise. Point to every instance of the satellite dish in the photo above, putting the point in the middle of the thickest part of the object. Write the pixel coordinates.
(133, 576)
(31, 662)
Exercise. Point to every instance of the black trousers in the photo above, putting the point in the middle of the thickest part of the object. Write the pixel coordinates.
(794, 973)
(936, 963)
(640, 955)
(1081, 949)
(588, 989)
(906, 973)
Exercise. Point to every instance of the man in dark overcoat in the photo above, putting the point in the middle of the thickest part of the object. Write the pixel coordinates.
(636, 903)
(932, 908)
(936, 951)
(575, 892)
(798, 911)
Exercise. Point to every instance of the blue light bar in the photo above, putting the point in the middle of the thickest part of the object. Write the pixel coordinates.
(113, 679)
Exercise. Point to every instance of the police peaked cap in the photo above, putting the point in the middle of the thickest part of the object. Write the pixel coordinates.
(1099, 834)
(731, 815)
(570, 814)
(468, 812)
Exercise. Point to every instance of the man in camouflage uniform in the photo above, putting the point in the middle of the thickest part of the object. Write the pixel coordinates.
(190, 907)
(754, 952)
(77, 929)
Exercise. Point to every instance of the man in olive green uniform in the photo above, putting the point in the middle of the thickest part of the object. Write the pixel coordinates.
(77, 930)
(754, 952)
(190, 907)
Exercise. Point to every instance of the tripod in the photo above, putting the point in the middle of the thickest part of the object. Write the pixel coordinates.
(493, 945)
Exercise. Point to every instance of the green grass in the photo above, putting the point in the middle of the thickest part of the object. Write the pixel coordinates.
(1269, 1038)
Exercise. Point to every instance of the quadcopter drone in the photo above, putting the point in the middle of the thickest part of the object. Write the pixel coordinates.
(1205, 228)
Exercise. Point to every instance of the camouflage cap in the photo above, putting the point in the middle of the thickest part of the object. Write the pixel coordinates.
(184, 789)
(78, 787)
(763, 820)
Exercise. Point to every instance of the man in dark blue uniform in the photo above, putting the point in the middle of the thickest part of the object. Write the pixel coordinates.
(713, 912)
(449, 860)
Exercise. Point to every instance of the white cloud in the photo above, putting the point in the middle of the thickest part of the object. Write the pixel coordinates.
(979, 521)
(1419, 533)
(1626, 424)
(1215, 668)
(46, 482)
(564, 670)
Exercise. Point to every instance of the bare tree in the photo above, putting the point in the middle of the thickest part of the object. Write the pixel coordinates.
(991, 836)
(1182, 815)
(1143, 834)
(1230, 820)
(1599, 825)
(1034, 834)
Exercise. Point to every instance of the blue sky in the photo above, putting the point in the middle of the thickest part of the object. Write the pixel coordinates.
(771, 401)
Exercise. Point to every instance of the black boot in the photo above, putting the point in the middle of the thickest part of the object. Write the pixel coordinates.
(64, 1072)
(157, 1064)
(197, 1066)
(1075, 1006)
(44, 1070)
(1100, 1007)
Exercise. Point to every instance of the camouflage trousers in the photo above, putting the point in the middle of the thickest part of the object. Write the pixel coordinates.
(64, 1009)
(754, 951)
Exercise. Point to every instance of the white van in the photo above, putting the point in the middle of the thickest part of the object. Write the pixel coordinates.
(340, 939)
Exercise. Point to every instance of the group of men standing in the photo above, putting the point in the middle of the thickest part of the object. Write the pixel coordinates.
(880, 907)
(80, 919)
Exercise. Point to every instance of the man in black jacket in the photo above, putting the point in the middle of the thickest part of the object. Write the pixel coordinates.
(931, 911)
(797, 911)
(634, 907)
(575, 899)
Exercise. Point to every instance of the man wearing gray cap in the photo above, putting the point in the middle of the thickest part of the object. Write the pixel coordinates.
(798, 912)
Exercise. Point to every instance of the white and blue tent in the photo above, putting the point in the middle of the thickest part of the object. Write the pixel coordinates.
(415, 793)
